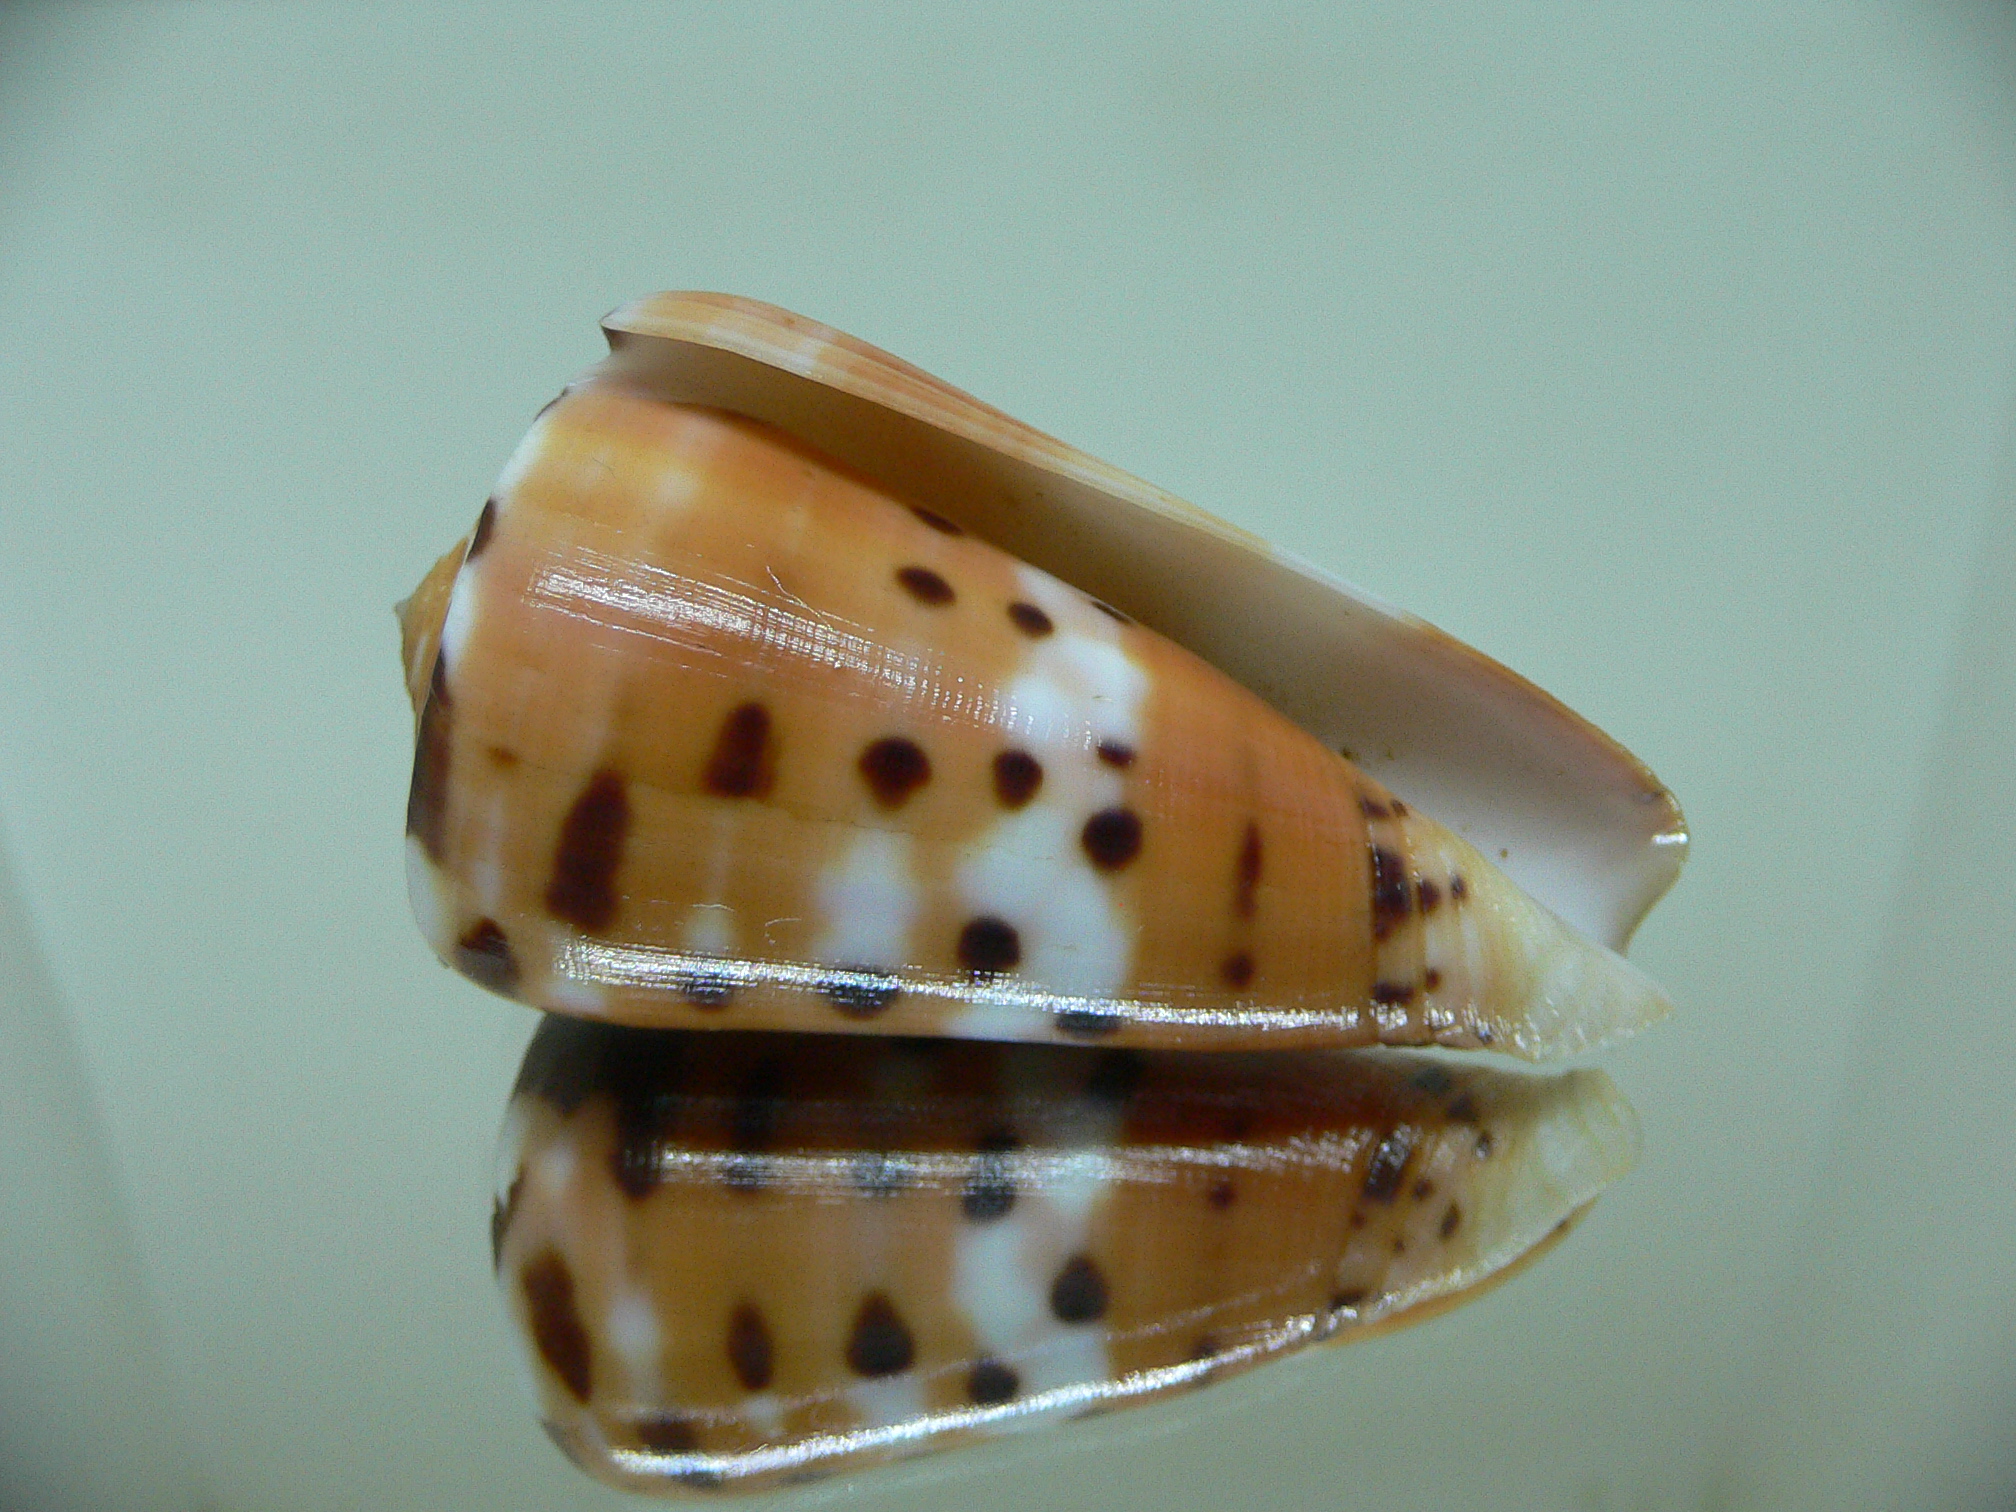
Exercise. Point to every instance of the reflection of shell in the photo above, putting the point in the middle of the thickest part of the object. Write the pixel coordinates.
(736, 1259)
(754, 722)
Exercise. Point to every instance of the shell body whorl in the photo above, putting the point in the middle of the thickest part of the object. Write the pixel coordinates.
(720, 733)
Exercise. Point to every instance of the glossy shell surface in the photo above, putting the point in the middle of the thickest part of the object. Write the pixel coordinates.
(719, 729)
(738, 1259)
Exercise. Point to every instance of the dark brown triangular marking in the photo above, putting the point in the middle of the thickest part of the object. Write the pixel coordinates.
(749, 1349)
(1246, 877)
(936, 521)
(1030, 620)
(1017, 776)
(880, 1344)
(925, 586)
(988, 945)
(1078, 1295)
(556, 1325)
(1389, 1165)
(743, 764)
(1112, 838)
(583, 886)
(1390, 901)
(667, 1434)
(990, 1383)
(990, 1190)
(484, 956)
(894, 768)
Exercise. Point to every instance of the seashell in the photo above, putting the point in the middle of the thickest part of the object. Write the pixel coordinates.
(739, 1259)
(781, 686)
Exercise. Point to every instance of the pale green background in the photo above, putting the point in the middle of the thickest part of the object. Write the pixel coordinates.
(1668, 353)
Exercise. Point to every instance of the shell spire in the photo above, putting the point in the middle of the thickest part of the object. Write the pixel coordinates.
(718, 730)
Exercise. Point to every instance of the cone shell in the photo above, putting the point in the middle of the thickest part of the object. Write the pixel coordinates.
(737, 1259)
(719, 729)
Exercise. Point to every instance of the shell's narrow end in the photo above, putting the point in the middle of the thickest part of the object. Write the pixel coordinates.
(421, 614)
(1577, 1137)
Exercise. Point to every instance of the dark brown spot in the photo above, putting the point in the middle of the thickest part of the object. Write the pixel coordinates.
(556, 1325)
(1399, 808)
(1112, 838)
(1392, 994)
(880, 1344)
(1116, 754)
(990, 1190)
(1109, 611)
(1017, 776)
(502, 1211)
(1237, 969)
(1463, 1110)
(427, 799)
(707, 990)
(480, 537)
(990, 1383)
(1117, 1075)
(1432, 979)
(1423, 1189)
(862, 994)
(1458, 889)
(1350, 1297)
(925, 586)
(1484, 1144)
(1357, 1220)
(643, 1069)
(752, 1125)
(1372, 808)
(1428, 895)
(1389, 1165)
(894, 768)
(1088, 1023)
(667, 1434)
(988, 945)
(1433, 1080)
(1451, 1221)
(1399, 1244)
(1246, 876)
(582, 890)
(1030, 620)
(749, 1347)
(1389, 891)
(936, 521)
(502, 757)
(1078, 1295)
(483, 955)
(743, 764)
(1222, 1196)
(881, 1174)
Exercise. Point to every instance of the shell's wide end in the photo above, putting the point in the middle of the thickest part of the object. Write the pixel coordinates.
(421, 614)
